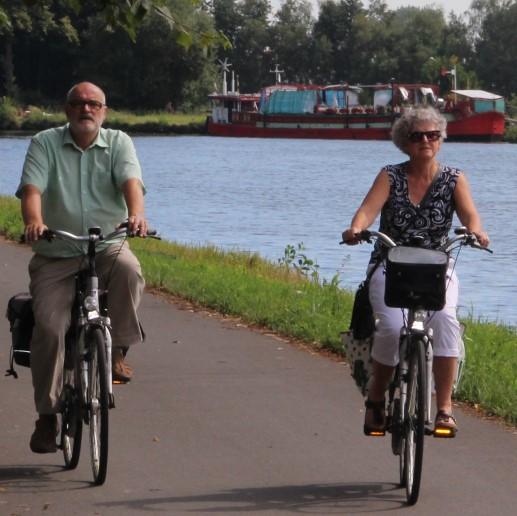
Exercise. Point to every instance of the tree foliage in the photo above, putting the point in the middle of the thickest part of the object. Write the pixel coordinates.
(146, 53)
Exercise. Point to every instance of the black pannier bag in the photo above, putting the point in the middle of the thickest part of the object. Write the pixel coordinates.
(362, 322)
(416, 278)
(20, 316)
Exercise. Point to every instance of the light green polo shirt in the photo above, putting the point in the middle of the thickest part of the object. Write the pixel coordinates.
(79, 189)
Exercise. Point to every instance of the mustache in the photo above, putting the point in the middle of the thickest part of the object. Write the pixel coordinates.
(86, 117)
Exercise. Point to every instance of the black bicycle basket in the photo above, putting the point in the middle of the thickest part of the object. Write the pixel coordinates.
(415, 278)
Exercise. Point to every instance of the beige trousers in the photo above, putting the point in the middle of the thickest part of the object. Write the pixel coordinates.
(52, 287)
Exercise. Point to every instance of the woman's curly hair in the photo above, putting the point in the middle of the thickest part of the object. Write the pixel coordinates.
(412, 117)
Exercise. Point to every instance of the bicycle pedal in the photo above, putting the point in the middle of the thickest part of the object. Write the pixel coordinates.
(444, 433)
(374, 433)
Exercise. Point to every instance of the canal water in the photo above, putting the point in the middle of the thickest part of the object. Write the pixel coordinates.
(262, 194)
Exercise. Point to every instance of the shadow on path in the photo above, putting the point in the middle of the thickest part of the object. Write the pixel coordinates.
(310, 498)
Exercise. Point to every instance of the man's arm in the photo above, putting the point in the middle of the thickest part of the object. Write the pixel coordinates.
(134, 196)
(31, 213)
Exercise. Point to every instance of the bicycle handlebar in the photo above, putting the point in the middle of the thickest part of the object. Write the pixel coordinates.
(462, 236)
(94, 234)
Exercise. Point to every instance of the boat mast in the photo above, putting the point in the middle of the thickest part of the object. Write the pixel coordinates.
(278, 74)
(225, 67)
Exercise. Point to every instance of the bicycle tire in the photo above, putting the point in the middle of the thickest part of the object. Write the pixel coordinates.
(71, 420)
(414, 423)
(98, 405)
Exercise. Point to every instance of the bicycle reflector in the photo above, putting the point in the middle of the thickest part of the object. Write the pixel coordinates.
(444, 432)
(376, 434)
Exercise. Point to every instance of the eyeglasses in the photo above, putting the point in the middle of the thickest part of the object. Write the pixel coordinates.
(418, 136)
(93, 105)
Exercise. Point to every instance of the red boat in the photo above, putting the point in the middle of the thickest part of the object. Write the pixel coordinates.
(343, 111)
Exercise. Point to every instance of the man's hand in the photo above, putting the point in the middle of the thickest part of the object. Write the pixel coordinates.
(33, 232)
(137, 225)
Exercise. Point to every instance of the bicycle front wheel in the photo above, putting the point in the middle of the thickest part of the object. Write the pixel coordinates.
(71, 419)
(414, 423)
(98, 405)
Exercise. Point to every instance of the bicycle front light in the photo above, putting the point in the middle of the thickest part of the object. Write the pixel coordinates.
(91, 304)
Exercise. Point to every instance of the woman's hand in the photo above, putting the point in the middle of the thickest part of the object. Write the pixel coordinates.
(350, 236)
(482, 237)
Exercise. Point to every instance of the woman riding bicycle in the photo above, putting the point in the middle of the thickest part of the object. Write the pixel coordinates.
(417, 200)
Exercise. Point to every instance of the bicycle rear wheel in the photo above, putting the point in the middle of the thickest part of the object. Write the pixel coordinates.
(98, 405)
(414, 423)
(71, 420)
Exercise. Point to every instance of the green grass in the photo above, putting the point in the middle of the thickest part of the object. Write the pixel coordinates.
(277, 297)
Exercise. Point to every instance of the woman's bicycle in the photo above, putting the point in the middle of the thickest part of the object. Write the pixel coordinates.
(87, 392)
(416, 282)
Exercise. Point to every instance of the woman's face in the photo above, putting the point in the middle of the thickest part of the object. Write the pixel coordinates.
(424, 141)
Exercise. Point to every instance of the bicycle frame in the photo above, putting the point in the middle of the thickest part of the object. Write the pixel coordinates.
(92, 313)
(410, 335)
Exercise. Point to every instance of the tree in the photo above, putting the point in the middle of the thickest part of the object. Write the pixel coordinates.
(496, 62)
(291, 43)
(18, 19)
(337, 23)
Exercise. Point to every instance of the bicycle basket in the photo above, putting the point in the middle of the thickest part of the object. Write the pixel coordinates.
(21, 319)
(415, 278)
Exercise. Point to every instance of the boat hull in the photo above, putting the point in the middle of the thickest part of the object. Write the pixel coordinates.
(477, 127)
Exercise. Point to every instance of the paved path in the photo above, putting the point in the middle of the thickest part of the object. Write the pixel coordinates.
(224, 420)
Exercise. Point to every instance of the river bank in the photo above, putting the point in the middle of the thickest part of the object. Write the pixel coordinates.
(279, 297)
(15, 121)
(18, 121)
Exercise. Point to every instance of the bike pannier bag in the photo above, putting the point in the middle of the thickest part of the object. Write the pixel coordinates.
(21, 319)
(362, 322)
(415, 278)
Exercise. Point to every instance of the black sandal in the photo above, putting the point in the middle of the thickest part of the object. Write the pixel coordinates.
(377, 409)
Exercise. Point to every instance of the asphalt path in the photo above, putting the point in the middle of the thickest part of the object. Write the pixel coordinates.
(221, 419)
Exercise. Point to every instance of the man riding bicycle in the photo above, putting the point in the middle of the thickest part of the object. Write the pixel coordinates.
(76, 177)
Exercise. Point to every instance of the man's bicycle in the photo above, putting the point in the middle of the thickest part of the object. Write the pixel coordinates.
(87, 392)
(416, 282)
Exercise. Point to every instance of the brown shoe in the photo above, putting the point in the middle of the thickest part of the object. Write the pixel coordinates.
(43, 439)
(121, 372)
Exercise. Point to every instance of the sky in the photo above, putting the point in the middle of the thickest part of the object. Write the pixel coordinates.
(458, 6)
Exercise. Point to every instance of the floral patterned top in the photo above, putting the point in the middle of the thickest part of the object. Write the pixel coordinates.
(431, 219)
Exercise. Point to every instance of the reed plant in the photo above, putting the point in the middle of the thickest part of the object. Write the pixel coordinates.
(294, 301)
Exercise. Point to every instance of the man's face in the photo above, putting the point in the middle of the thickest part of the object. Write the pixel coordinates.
(86, 110)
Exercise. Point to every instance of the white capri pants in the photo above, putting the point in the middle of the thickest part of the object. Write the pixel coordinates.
(445, 325)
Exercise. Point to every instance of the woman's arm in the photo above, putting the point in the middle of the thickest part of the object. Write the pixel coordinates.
(370, 208)
(467, 211)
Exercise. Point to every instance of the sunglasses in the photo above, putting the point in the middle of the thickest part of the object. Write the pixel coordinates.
(418, 136)
(94, 105)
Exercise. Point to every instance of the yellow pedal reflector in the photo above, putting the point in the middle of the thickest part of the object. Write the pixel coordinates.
(444, 432)
(377, 434)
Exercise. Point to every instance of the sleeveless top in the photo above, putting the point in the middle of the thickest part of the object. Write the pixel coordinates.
(430, 219)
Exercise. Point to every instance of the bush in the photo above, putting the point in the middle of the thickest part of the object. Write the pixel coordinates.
(510, 134)
(8, 114)
(37, 119)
